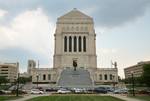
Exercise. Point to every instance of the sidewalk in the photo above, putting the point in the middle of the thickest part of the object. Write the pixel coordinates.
(27, 97)
(123, 97)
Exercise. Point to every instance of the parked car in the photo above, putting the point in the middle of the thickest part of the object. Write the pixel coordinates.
(20, 91)
(121, 91)
(6, 91)
(100, 90)
(143, 91)
(40, 88)
(63, 91)
(36, 91)
(110, 89)
(1, 92)
(51, 90)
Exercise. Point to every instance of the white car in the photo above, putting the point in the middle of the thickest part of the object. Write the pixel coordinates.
(36, 91)
(121, 91)
(63, 91)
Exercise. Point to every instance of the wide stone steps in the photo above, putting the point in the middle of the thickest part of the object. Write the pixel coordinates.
(78, 78)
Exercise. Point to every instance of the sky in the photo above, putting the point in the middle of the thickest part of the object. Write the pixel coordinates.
(122, 30)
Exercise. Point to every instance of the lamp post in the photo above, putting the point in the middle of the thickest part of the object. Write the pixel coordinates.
(37, 76)
(17, 90)
(133, 93)
(113, 81)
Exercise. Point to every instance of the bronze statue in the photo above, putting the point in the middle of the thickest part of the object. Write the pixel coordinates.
(75, 65)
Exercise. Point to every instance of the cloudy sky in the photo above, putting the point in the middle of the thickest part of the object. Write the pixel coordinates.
(122, 27)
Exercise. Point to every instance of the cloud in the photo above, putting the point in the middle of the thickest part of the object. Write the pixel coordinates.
(31, 30)
(106, 13)
(107, 51)
(2, 13)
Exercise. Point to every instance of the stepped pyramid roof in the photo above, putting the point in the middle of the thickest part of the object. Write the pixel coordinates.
(75, 14)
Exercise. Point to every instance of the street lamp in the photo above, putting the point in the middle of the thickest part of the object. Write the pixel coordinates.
(113, 76)
(133, 93)
(37, 76)
(17, 90)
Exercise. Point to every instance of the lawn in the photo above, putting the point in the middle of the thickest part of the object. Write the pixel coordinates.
(144, 98)
(4, 98)
(75, 98)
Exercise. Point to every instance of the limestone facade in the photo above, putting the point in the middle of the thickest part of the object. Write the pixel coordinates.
(75, 39)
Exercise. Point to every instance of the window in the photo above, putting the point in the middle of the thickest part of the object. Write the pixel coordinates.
(75, 43)
(4, 73)
(105, 76)
(49, 76)
(72, 28)
(84, 44)
(100, 76)
(4, 67)
(80, 43)
(77, 28)
(111, 77)
(65, 44)
(44, 77)
(70, 44)
(86, 28)
(4, 70)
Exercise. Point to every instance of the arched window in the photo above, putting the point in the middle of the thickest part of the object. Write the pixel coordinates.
(44, 77)
(70, 44)
(80, 42)
(111, 77)
(105, 76)
(84, 44)
(65, 44)
(75, 43)
(100, 76)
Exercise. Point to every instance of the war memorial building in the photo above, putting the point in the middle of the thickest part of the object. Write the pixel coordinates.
(75, 59)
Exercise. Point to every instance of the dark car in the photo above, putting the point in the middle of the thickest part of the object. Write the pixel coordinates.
(100, 90)
(51, 90)
(1, 92)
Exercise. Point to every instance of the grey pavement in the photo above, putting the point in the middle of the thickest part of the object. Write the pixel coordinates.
(124, 97)
(27, 97)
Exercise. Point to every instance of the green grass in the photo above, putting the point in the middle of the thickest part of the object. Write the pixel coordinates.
(144, 98)
(4, 98)
(75, 98)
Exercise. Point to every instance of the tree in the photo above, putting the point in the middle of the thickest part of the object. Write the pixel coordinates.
(24, 80)
(146, 74)
(3, 80)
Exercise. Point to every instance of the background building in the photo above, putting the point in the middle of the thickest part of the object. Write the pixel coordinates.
(136, 69)
(9, 70)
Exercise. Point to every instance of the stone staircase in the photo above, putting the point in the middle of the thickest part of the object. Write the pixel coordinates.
(78, 78)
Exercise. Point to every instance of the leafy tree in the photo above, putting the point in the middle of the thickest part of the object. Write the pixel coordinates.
(24, 80)
(146, 74)
(3, 80)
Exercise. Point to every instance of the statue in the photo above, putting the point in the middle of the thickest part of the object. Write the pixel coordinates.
(75, 64)
(114, 64)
